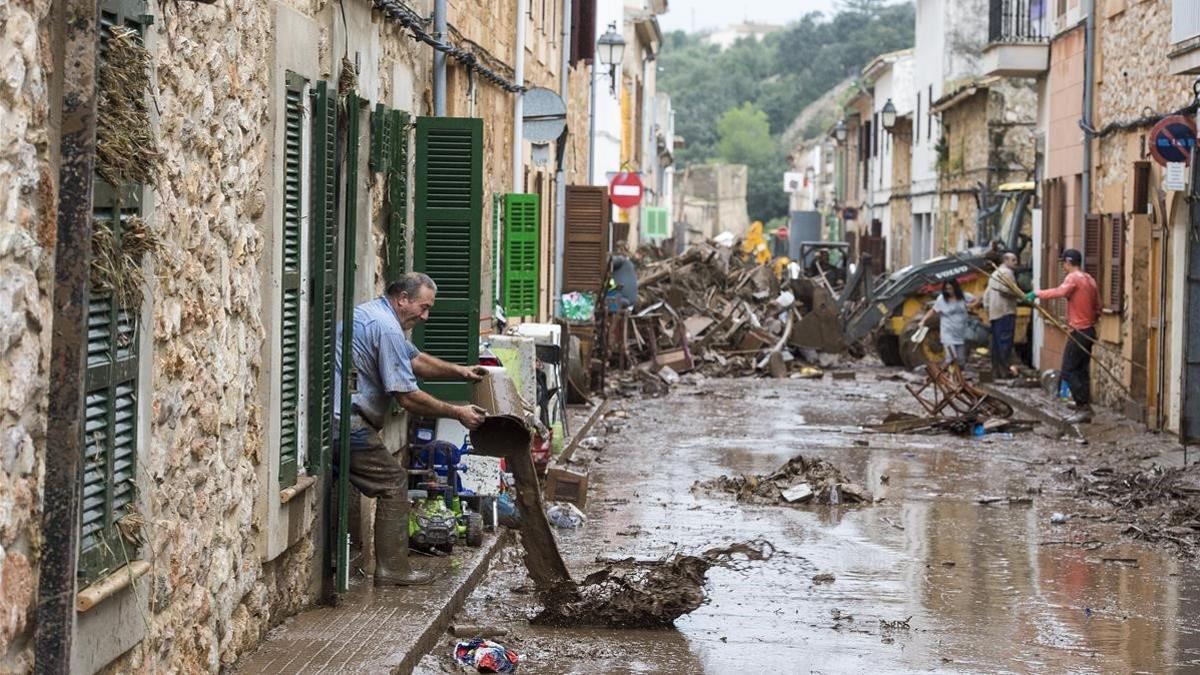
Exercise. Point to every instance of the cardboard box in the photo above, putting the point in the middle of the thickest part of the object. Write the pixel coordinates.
(566, 485)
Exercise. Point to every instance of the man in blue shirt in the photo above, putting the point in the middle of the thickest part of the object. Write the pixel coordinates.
(385, 369)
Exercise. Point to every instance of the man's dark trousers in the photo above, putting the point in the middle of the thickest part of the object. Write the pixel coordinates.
(1003, 328)
(1076, 365)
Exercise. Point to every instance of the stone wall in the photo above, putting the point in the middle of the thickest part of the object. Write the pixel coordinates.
(1133, 81)
(27, 236)
(209, 334)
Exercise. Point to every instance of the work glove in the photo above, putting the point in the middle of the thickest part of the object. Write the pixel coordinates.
(1030, 297)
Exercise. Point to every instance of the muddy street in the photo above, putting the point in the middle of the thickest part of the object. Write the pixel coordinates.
(957, 564)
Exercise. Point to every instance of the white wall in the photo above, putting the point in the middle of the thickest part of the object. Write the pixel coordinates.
(607, 143)
(927, 77)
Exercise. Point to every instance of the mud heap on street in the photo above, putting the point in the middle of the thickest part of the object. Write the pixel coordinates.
(800, 480)
(714, 312)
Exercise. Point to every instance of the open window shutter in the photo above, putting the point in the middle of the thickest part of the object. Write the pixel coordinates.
(1091, 245)
(1116, 270)
(397, 195)
(110, 380)
(323, 259)
(521, 219)
(292, 254)
(585, 246)
(448, 213)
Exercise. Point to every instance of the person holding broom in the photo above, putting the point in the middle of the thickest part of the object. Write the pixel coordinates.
(1083, 310)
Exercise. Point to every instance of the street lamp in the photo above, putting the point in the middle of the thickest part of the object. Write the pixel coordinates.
(887, 116)
(839, 131)
(611, 47)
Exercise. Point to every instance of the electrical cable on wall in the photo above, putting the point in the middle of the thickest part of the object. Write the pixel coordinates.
(415, 24)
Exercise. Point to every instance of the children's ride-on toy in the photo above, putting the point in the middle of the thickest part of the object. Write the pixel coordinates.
(439, 516)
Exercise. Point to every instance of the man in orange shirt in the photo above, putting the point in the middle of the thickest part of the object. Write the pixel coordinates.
(1083, 310)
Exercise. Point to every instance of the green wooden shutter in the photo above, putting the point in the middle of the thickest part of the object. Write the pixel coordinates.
(396, 211)
(109, 488)
(654, 224)
(448, 213)
(293, 260)
(323, 259)
(521, 228)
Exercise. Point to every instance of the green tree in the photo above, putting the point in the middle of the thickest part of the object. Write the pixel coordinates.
(778, 77)
(744, 136)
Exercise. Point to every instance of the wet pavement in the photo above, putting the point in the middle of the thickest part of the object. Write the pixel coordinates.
(927, 579)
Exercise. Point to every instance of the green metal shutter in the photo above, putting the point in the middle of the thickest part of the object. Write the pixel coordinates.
(396, 211)
(521, 255)
(293, 259)
(448, 213)
(109, 489)
(655, 222)
(323, 264)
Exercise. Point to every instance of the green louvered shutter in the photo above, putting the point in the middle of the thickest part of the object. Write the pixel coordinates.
(293, 259)
(521, 225)
(109, 471)
(397, 195)
(448, 213)
(655, 222)
(323, 256)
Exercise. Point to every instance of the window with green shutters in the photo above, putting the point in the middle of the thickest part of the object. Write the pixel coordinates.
(522, 219)
(448, 206)
(291, 296)
(323, 269)
(654, 222)
(110, 424)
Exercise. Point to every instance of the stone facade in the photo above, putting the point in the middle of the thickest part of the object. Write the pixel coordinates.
(227, 559)
(988, 139)
(27, 236)
(1132, 78)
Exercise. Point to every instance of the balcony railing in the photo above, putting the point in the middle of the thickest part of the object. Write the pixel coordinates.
(1016, 21)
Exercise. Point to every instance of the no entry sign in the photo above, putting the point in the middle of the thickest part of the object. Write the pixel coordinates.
(625, 190)
(1172, 140)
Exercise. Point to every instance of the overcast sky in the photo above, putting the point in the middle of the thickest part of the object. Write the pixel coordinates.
(701, 14)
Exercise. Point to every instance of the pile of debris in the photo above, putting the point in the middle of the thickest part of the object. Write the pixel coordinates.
(1157, 504)
(801, 480)
(631, 593)
(715, 313)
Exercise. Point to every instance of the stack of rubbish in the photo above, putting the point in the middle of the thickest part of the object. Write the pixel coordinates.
(714, 312)
(801, 480)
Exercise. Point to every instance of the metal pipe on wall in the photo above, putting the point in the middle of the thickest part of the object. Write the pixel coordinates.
(518, 147)
(1089, 94)
(76, 60)
(439, 59)
(560, 181)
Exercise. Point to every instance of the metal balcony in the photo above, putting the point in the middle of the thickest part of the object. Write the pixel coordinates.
(1018, 38)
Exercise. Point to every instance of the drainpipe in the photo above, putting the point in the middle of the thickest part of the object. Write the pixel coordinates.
(518, 154)
(439, 59)
(560, 193)
(1089, 94)
(75, 25)
(591, 179)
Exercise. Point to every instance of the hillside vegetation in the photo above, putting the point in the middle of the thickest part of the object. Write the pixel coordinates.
(733, 106)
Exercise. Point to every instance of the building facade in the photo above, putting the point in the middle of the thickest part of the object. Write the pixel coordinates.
(273, 132)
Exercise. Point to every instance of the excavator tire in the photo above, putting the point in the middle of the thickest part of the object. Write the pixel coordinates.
(928, 351)
(888, 348)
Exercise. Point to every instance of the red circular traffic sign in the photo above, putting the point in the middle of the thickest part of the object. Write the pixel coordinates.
(1172, 139)
(625, 190)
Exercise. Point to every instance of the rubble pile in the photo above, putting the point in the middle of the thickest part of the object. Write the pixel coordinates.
(1157, 504)
(801, 480)
(712, 312)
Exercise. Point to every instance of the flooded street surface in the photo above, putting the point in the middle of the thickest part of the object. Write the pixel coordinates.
(983, 588)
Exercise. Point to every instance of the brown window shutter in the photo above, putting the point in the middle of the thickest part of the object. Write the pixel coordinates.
(585, 248)
(1116, 278)
(1141, 187)
(1092, 225)
(583, 31)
